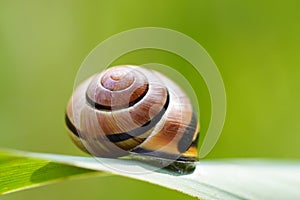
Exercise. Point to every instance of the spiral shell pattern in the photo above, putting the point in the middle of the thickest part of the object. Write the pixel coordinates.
(129, 109)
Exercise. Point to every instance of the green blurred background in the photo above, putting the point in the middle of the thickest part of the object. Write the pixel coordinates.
(255, 44)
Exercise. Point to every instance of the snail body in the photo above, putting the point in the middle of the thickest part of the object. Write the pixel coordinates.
(132, 110)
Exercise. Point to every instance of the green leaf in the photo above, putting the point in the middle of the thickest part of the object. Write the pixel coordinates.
(17, 173)
(212, 179)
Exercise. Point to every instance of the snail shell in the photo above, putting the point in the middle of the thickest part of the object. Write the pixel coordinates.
(132, 110)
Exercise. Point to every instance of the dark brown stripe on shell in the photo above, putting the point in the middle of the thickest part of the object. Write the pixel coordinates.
(71, 126)
(183, 145)
(187, 138)
(104, 107)
(160, 154)
(119, 137)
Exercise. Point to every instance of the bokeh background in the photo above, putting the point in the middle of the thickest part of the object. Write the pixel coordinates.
(254, 43)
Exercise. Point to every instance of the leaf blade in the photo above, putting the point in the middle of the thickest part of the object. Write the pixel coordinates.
(18, 173)
(219, 179)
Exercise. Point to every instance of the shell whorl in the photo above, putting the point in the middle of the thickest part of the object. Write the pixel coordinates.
(131, 109)
(117, 88)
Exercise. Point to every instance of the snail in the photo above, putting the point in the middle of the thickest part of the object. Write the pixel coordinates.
(130, 110)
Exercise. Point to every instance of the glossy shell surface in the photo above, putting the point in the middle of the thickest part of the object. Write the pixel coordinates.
(129, 109)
